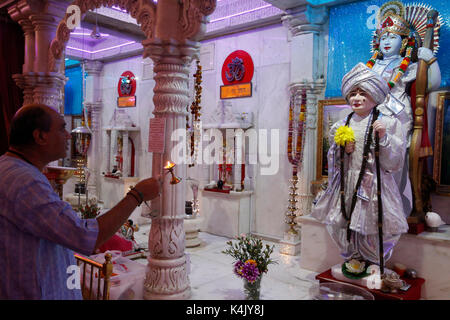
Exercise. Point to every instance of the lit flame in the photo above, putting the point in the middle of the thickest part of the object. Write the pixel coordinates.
(169, 165)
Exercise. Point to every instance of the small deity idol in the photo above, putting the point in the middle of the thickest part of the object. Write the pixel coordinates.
(350, 204)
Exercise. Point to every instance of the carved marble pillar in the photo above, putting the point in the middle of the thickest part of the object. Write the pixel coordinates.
(28, 30)
(305, 24)
(39, 20)
(93, 104)
(167, 274)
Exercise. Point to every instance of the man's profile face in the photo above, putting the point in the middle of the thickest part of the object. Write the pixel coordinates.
(58, 137)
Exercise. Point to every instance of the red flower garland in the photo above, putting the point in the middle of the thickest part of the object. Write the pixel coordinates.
(297, 159)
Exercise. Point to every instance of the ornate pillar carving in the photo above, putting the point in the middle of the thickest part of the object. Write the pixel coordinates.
(167, 276)
(39, 20)
(169, 44)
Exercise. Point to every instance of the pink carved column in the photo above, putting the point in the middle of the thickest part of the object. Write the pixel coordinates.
(39, 21)
(167, 276)
(171, 46)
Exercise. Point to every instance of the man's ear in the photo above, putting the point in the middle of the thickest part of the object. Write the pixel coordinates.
(40, 137)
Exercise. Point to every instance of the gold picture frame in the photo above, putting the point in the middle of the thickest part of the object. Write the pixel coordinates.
(441, 157)
(328, 112)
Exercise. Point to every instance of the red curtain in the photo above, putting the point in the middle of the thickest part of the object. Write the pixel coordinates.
(12, 44)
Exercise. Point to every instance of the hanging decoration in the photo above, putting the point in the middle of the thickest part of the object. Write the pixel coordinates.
(194, 131)
(295, 157)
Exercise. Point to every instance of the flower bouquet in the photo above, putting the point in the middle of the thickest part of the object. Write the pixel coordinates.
(251, 262)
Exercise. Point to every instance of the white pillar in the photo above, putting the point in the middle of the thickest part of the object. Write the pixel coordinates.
(167, 275)
(93, 104)
(307, 73)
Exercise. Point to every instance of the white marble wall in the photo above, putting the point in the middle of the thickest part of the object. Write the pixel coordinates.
(270, 51)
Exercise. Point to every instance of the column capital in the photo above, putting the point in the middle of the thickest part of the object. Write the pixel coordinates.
(156, 49)
(93, 67)
(311, 87)
(305, 19)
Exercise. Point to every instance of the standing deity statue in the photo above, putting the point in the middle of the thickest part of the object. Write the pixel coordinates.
(397, 46)
(360, 179)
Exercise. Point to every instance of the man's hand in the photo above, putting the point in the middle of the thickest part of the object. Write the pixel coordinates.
(379, 127)
(150, 188)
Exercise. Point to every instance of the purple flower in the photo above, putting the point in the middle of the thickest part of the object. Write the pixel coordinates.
(237, 268)
(250, 271)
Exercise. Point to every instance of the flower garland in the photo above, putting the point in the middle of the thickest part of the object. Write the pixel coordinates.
(403, 65)
(195, 111)
(297, 159)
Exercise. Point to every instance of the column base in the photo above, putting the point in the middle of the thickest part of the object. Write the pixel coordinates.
(291, 244)
(184, 295)
(167, 279)
(191, 227)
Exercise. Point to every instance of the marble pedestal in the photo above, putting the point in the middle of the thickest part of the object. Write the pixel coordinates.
(226, 214)
(191, 228)
(428, 253)
(290, 244)
(371, 282)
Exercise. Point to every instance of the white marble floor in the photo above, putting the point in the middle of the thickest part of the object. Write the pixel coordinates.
(211, 272)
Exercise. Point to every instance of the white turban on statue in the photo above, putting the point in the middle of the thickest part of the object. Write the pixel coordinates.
(368, 80)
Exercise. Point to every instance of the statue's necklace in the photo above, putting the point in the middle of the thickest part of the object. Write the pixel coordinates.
(367, 144)
(403, 65)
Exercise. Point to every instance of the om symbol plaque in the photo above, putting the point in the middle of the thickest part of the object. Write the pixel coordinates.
(237, 74)
(237, 68)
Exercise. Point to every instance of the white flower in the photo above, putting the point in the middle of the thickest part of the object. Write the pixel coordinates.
(355, 266)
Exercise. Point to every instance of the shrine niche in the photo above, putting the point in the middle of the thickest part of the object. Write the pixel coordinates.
(119, 139)
(228, 173)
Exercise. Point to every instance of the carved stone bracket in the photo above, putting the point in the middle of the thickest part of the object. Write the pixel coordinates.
(42, 88)
(305, 19)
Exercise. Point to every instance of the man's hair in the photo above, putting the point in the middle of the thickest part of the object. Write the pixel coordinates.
(25, 122)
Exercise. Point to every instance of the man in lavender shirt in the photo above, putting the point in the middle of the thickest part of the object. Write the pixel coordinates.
(38, 231)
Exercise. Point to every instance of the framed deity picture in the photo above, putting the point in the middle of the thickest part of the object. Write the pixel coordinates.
(441, 161)
(329, 112)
